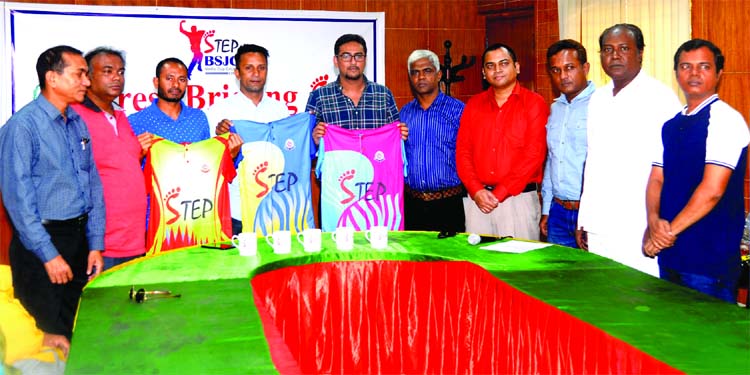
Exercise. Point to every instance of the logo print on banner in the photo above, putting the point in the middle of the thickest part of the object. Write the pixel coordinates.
(219, 54)
(319, 82)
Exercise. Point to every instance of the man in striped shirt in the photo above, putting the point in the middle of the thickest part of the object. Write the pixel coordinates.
(433, 198)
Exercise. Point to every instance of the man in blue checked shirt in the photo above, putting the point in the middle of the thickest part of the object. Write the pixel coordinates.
(566, 141)
(433, 198)
(53, 194)
(352, 101)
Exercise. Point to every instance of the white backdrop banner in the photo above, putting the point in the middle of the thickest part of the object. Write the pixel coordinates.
(300, 44)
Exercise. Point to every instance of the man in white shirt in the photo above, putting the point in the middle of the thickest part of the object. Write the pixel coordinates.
(624, 126)
(251, 103)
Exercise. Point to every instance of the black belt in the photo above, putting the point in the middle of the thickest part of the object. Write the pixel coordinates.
(433, 195)
(80, 220)
(530, 187)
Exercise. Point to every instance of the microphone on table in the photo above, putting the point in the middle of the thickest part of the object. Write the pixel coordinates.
(475, 239)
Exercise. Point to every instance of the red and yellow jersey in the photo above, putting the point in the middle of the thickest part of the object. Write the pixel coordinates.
(187, 186)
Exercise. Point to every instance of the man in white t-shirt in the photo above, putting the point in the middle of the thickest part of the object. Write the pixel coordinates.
(251, 103)
(695, 193)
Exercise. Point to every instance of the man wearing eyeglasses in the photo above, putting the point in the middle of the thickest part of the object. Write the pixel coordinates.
(624, 124)
(352, 101)
(500, 151)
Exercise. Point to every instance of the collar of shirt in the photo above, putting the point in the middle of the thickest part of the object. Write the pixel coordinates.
(491, 95)
(54, 113)
(640, 79)
(585, 93)
(700, 106)
(337, 83)
(156, 107)
(439, 99)
(88, 103)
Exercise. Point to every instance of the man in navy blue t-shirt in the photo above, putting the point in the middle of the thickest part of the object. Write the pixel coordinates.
(695, 192)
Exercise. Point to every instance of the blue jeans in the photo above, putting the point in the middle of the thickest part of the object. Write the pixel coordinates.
(111, 262)
(561, 225)
(722, 289)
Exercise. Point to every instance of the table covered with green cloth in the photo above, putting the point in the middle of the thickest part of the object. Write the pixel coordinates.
(423, 305)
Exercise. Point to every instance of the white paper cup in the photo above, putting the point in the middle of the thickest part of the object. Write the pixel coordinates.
(310, 239)
(377, 236)
(280, 241)
(344, 238)
(246, 242)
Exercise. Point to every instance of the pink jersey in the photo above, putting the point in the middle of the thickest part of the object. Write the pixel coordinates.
(362, 177)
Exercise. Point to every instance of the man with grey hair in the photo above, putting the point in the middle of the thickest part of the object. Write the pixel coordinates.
(117, 153)
(433, 198)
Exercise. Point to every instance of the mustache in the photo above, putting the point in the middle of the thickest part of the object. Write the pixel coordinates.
(162, 95)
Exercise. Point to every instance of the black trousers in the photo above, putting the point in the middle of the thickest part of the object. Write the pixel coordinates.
(53, 306)
(446, 214)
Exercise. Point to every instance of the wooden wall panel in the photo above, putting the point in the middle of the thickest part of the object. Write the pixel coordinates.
(412, 15)
(143, 3)
(545, 32)
(461, 23)
(266, 4)
(725, 22)
(341, 5)
(192, 3)
(548, 32)
(399, 43)
(461, 14)
(469, 42)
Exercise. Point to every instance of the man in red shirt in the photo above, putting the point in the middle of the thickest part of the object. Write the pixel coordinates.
(117, 153)
(500, 151)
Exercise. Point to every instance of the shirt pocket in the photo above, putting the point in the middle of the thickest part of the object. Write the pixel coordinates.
(85, 156)
(83, 153)
(578, 137)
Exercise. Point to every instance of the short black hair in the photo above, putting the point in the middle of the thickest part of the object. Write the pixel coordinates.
(564, 44)
(346, 38)
(52, 60)
(694, 44)
(635, 30)
(498, 46)
(103, 51)
(249, 48)
(168, 60)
